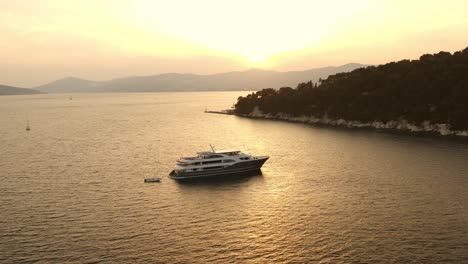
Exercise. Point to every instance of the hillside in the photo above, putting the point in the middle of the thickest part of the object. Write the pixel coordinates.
(405, 94)
(69, 84)
(10, 90)
(253, 79)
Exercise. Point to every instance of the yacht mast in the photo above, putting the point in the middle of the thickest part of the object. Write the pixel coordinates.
(212, 148)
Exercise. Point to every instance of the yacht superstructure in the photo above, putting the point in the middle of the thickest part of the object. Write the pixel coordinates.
(217, 164)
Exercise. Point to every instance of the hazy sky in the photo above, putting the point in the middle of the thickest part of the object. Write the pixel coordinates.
(44, 40)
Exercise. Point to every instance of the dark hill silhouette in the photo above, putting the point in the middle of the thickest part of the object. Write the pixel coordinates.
(432, 89)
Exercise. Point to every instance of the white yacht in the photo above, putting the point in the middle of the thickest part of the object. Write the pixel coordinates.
(217, 164)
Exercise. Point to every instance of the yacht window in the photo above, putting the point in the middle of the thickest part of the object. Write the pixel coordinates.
(217, 167)
(214, 156)
(211, 161)
(184, 163)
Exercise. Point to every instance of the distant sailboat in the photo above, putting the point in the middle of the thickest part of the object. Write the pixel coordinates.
(27, 123)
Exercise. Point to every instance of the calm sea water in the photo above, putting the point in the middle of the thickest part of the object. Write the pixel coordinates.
(72, 191)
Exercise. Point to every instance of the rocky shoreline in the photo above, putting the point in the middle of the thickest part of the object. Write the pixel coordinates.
(425, 127)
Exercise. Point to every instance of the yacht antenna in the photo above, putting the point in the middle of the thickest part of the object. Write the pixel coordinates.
(212, 148)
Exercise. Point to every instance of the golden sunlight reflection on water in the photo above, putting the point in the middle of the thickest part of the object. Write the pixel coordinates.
(72, 187)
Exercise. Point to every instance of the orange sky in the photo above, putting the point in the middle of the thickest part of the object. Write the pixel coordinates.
(44, 40)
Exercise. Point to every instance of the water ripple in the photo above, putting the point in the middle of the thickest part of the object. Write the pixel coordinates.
(72, 188)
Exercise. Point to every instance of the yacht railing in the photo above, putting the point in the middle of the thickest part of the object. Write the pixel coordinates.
(190, 158)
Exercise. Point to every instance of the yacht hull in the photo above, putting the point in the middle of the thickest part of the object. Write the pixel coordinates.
(240, 168)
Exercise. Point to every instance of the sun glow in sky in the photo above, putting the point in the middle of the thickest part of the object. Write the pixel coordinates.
(42, 40)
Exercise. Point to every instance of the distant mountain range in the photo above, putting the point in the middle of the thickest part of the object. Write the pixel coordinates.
(10, 90)
(253, 79)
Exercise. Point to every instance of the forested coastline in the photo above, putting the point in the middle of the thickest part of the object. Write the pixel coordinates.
(428, 94)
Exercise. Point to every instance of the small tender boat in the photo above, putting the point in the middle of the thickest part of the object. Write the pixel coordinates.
(153, 180)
